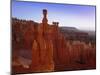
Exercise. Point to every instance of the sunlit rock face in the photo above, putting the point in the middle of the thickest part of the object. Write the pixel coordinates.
(44, 47)
(41, 47)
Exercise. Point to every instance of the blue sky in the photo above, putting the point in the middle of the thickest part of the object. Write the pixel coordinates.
(79, 16)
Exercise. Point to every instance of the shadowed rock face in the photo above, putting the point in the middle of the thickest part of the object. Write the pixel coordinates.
(40, 47)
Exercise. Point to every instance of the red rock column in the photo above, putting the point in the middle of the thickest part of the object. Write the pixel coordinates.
(35, 57)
